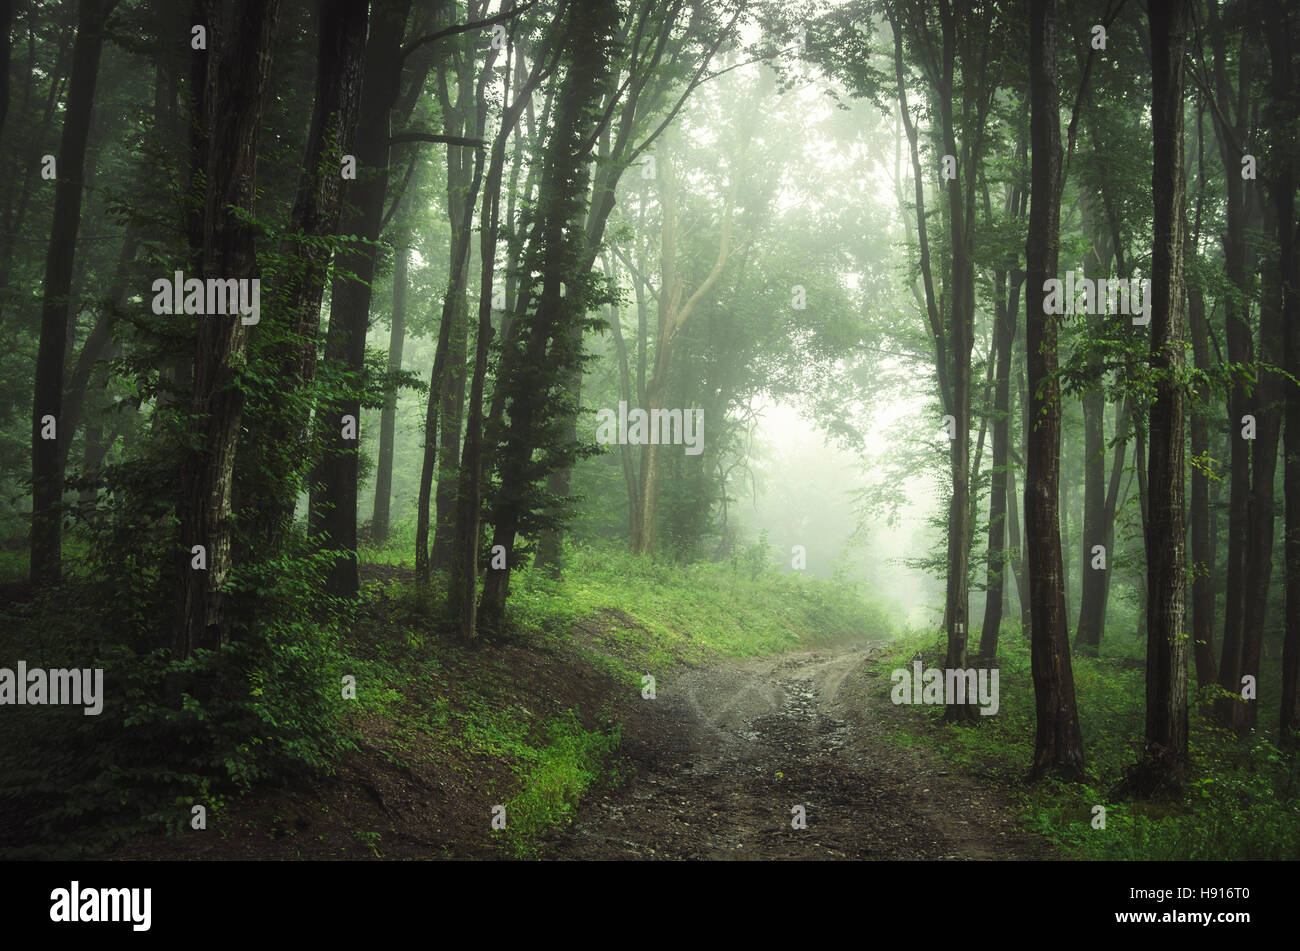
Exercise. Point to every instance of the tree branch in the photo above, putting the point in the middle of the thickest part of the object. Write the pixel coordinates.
(403, 137)
(410, 47)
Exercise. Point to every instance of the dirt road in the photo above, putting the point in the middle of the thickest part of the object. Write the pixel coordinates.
(724, 755)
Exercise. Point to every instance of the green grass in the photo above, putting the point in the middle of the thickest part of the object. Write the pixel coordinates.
(689, 612)
(621, 614)
(1243, 796)
(553, 777)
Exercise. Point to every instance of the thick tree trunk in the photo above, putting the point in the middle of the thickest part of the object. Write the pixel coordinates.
(271, 468)
(1238, 336)
(236, 88)
(1165, 756)
(560, 481)
(47, 406)
(1058, 745)
(335, 507)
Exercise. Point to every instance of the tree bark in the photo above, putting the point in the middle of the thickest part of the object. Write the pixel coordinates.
(1202, 560)
(279, 416)
(462, 603)
(545, 336)
(334, 512)
(1165, 755)
(462, 193)
(1280, 44)
(1058, 744)
(1229, 130)
(1092, 581)
(388, 418)
(47, 459)
(236, 86)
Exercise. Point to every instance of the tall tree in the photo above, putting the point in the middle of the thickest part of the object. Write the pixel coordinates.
(334, 507)
(238, 76)
(1282, 24)
(542, 341)
(47, 408)
(462, 600)
(1201, 565)
(1165, 754)
(1232, 117)
(673, 315)
(279, 414)
(1058, 743)
(379, 526)
(1006, 282)
(464, 175)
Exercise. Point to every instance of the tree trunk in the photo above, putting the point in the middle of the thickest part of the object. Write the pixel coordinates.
(236, 87)
(388, 418)
(1268, 398)
(545, 337)
(1004, 331)
(462, 603)
(447, 329)
(1283, 195)
(1092, 580)
(1165, 756)
(1018, 543)
(1058, 744)
(961, 340)
(1202, 560)
(271, 467)
(462, 193)
(47, 407)
(335, 507)
(1230, 130)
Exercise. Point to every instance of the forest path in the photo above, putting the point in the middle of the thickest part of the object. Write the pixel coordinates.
(725, 752)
